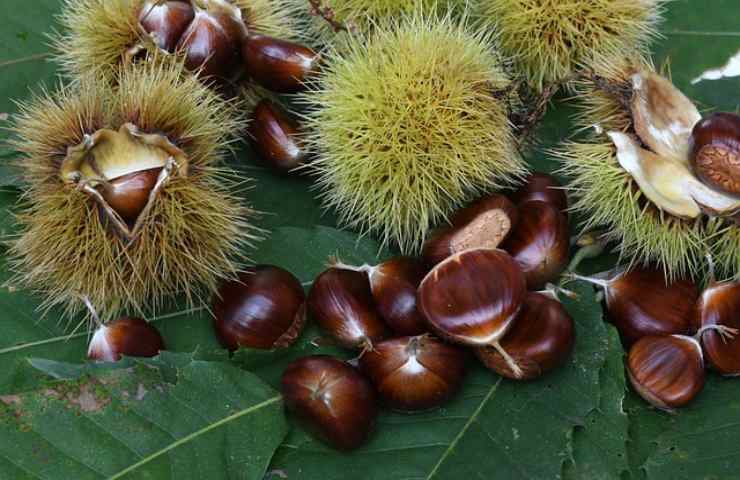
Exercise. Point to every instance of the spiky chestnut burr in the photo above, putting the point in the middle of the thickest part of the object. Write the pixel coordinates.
(638, 186)
(409, 125)
(100, 36)
(550, 40)
(77, 238)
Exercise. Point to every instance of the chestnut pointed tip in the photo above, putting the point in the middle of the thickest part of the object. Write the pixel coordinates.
(278, 65)
(127, 336)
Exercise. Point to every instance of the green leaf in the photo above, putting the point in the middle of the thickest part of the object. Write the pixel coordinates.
(500, 427)
(214, 421)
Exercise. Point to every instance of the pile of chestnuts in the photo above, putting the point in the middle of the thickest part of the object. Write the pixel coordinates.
(411, 319)
(671, 331)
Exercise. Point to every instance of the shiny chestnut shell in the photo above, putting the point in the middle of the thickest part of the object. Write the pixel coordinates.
(263, 308)
(640, 303)
(540, 340)
(335, 401)
(276, 138)
(166, 21)
(473, 297)
(483, 224)
(539, 243)
(714, 151)
(719, 304)
(129, 336)
(342, 304)
(394, 284)
(278, 65)
(414, 373)
(667, 371)
(129, 194)
(544, 188)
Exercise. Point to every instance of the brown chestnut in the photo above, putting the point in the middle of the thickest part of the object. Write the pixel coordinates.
(540, 340)
(263, 308)
(473, 297)
(276, 138)
(715, 151)
(335, 401)
(342, 304)
(133, 337)
(166, 21)
(719, 306)
(129, 194)
(539, 243)
(543, 187)
(483, 224)
(393, 284)
(414, 373)
(667, 371)
(278, 65)
(641, 302)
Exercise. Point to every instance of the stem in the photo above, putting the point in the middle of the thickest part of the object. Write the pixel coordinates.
(727, 333)
(518, 373)
(584, 253)
(317, 9)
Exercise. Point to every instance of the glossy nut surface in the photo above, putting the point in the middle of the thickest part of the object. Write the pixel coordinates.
(278, 65)
(483, 224)
(540, 243)
(715, 151)
(719, 304)
(473, 297)
(639, 303)
(540, 340)
(334, 400)
(264, 308)
(129, 336)
(166, 21)
(342, 304)
(414, 373)
(275, 137)
(129, 194)
(394, 284)
(667, 371)
(542, 187)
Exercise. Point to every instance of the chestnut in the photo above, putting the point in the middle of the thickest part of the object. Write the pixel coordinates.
(133, 337)
(275, 138)
(263, 308)
(714, 151)
(719, 306)
(341, 302)
(129, 194)
(414, 373)
(541, 339)
(278, 65)
(667, 371)
(473, 297)
(166, 21)
(484, 224)
(543, 187)
(539, 243)
(334, 400)
(393, 284)
(641, 302)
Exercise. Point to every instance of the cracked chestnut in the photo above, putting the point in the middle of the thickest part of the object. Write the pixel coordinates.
(275, 137)
(129, 336)
(263, 308)
(715, 151)
(342, 303)
(278, 65)
(473, 297)
(335, 401)
(483, 224)
(414, 373)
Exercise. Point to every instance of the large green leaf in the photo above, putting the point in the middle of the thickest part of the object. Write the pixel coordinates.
(201, 420)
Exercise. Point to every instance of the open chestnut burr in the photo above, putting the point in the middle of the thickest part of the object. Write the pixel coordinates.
(540, 340)
(342, 303)
(473, 297)
(333, 399)
(484, 224)
(414, 373)
(263, 308)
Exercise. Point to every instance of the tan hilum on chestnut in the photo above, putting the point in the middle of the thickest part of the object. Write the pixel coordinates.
(715, 151)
